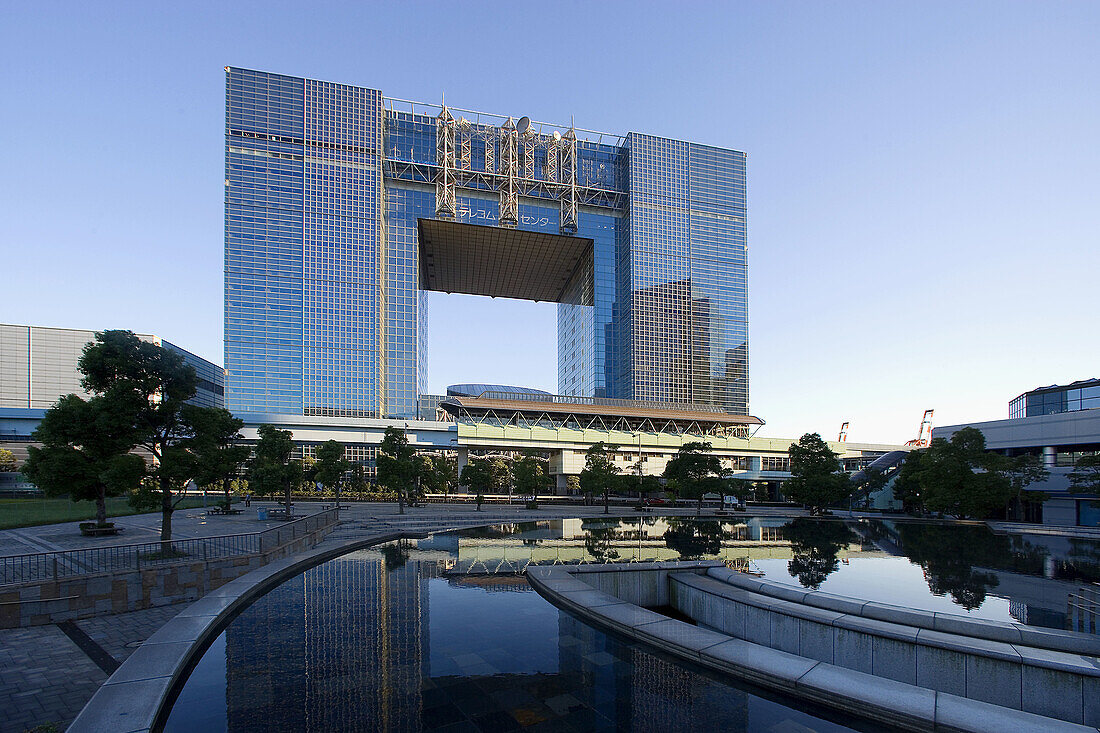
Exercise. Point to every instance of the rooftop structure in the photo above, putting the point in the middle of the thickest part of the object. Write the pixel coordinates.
(1083, 394)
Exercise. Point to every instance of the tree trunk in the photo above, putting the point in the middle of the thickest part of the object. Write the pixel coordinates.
(225, 489)
(288, 491)
(699, 508)
(400, 501)
(338, 482)
(165, 517)
(606, 501)
(101, 508)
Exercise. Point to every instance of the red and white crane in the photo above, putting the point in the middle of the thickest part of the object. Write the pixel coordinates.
(922, 438)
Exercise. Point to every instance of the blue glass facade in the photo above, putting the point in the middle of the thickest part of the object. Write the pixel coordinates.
(324, 313)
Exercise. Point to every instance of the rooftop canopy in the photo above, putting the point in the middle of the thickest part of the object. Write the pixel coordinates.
(507, 263)
(595, 412)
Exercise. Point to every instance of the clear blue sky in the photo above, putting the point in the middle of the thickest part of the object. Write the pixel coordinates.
(924, 177)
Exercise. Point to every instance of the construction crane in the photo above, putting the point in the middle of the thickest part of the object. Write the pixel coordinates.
(922, 440)
(843, 437)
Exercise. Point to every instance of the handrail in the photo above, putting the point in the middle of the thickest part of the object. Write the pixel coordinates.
(47, 566)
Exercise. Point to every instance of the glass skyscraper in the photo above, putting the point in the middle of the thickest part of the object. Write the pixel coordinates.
(343, 206)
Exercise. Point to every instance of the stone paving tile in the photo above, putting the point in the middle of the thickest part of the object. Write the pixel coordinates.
(44, 678)
(120, 634)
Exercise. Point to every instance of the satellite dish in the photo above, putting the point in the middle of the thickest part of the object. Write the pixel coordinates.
(557, 136)
(523, 125)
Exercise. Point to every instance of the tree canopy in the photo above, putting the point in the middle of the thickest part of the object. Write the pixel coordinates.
(817, 479)
(331, 467)
(7, 461)
(958, 477)
(273, 470)
(396, 464)
(694, 471)
(216, 447)
(600, 472)
(532, 475)
(85, 452)
(1085, 476)
(151, 384)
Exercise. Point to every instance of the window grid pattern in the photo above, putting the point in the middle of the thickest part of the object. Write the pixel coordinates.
(406, 317)
(688, 274)
(341, 308)
(263, 241)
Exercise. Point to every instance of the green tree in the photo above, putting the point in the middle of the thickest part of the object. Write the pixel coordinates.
(216, 447)
(153, 384)
(573, 485)
(532, 475)
(959, 477)
(357, 483)
(396, 464)
(599, 472)
(1022, 471)
(817, 480)
(7, 461)
(436, 474)
(477, 477)
(740, 487)
(1085, 476)
(500, 473)
(694, 471)
(84, 452)
(907, 488)
(272, 470)
(649, 485)
(331, 467)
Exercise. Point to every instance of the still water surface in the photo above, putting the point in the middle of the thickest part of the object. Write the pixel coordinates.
(441, 634)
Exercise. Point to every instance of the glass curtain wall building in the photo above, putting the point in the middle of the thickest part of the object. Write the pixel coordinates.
(332, 192)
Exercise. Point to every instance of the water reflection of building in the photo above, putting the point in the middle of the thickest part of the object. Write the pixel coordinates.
(511, 547)
(650, 693)
(350, 639)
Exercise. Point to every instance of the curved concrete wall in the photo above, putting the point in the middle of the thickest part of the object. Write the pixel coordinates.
(1043, 681)
(900, 705)
(1012, 633)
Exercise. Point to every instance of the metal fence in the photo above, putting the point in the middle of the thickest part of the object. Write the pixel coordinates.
(16, 569)
(1082, 609)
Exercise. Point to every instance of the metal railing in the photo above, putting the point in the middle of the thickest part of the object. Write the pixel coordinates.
(1082, 608)
(65, 564)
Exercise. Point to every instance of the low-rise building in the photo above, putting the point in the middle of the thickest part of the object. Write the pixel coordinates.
(1061, 423)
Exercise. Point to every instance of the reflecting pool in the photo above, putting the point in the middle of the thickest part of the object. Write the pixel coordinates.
(444, 634)
(385, 640)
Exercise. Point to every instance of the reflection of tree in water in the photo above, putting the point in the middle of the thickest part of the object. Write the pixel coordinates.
(948, 556)
(395, 556)
(598, 536)
(815, 545)
(1082, 561)
(694, 539)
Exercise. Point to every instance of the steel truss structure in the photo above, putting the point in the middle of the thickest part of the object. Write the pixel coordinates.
(581, 421)
(508, 166)
(454, 153)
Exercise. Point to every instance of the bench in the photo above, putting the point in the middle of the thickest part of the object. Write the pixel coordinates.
(99, 531)
(221, 511)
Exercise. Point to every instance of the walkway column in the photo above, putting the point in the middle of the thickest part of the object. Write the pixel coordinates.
(462, 459)
(1049, 456)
